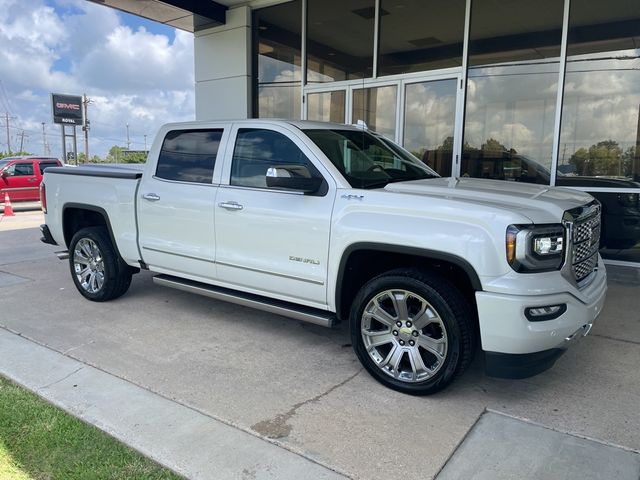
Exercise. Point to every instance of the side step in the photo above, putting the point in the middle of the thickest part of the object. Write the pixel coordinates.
(279, 307)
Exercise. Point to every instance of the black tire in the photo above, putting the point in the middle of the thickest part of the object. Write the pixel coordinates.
(454, 325)
(115, 273)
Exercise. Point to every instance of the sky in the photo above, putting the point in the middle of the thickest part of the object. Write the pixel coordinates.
(135, 72)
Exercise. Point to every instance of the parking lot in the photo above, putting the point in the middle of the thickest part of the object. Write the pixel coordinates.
(300, 385)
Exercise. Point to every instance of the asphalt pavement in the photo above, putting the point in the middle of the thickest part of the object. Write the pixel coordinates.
(300, 388)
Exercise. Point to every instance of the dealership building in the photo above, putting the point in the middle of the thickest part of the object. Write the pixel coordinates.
(544, 91)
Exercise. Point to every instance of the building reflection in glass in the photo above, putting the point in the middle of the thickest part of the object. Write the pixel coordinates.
(278, 41)
(376, 106)
(512, 90)
(429, 116)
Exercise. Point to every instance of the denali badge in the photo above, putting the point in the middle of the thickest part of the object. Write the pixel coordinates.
(304, 260)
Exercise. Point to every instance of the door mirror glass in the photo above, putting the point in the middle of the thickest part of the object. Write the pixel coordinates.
(292, 177)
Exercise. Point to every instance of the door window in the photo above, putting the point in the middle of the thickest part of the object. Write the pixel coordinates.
(44, 165)
(189, 155)
(257, 150)
(20, 170)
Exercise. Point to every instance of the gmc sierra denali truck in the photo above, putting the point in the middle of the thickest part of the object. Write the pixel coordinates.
(326, 222)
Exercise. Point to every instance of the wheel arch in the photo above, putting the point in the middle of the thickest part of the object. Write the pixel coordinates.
(76, 216)
(362, 261)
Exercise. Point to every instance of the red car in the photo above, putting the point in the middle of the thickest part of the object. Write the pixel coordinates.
(20, 177)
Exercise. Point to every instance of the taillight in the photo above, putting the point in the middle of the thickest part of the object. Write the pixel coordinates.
(43, 197)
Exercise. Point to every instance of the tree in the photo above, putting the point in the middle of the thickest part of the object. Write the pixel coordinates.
(605, 158)
(134, 157)
(492, 147)
(114, 155)
(95, 159)
(82, 158)
(13, 154)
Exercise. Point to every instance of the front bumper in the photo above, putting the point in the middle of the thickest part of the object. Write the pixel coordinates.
(516, 347)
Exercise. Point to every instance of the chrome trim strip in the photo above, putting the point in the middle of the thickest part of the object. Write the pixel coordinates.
(62, 255)
(282, 275)
(182, 182)
(178, 254)
(272, 190)
(15, 189)
(239, 299)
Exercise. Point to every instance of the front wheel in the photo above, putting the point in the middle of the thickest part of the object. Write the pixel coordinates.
(97, 270)
(412, 331)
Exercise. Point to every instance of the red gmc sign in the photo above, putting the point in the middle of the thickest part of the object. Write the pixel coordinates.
(67, 109)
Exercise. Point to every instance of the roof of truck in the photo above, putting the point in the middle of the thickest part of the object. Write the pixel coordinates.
(301, 124)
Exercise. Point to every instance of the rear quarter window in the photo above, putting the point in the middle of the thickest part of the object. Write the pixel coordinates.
(189, 155)
(44, 165)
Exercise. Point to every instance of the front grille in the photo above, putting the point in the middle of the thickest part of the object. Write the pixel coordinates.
(586, 243)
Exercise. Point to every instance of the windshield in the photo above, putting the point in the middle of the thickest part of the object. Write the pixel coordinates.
(365, 160)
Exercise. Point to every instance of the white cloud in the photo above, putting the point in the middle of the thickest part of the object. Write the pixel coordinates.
(134, 77)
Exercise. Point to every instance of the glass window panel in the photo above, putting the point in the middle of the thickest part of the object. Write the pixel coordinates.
(514, 31)
(377, 108)
(339, 40)
(257, 150)
(189, 155)
(600, 131)
(408, 45)
(429, 116)
(20, 170)
(277, 41)
(326, 106)
(511, 90)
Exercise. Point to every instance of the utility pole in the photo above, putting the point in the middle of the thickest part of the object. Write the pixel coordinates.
(44, 141)
(85, 126)
(6, 118)
(128, 141)
(22, 135)
(145, 143)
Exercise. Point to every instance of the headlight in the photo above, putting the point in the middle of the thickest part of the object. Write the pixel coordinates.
(535, 248)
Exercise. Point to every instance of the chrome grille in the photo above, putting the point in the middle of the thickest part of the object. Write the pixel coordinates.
(583, 269)
(586, 243)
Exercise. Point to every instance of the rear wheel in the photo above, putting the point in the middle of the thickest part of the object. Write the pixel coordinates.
(412, 331)
(97, 270)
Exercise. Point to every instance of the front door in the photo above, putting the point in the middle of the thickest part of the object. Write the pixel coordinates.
(20, 182)
(271, 241)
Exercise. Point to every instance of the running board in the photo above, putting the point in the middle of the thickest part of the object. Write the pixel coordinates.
(279, 307)
(63, 255)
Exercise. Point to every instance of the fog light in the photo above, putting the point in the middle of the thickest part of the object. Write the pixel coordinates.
(541, 314)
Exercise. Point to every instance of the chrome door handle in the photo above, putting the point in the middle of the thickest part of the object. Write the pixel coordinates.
(231, 205)
(152, 197)
(31, 180)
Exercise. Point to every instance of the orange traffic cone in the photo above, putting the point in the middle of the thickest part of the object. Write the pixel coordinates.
(8, 209)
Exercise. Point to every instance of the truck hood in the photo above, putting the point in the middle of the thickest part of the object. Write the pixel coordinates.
(539, 203)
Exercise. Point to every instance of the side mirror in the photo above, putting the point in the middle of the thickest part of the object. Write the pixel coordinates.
(4, 173)
(293, 177)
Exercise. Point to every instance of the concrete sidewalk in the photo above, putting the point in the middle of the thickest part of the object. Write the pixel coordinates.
(187, 441)
(198, 446)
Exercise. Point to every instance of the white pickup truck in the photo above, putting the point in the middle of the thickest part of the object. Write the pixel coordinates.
(326, 222)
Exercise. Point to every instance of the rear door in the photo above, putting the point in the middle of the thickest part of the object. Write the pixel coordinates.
(20, 181)
(175, 204)
(270, 241)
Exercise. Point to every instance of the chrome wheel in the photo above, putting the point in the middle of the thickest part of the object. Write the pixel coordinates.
(88, 265)
(404, 335)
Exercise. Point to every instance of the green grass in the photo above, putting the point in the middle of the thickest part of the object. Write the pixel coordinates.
(41, 442)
